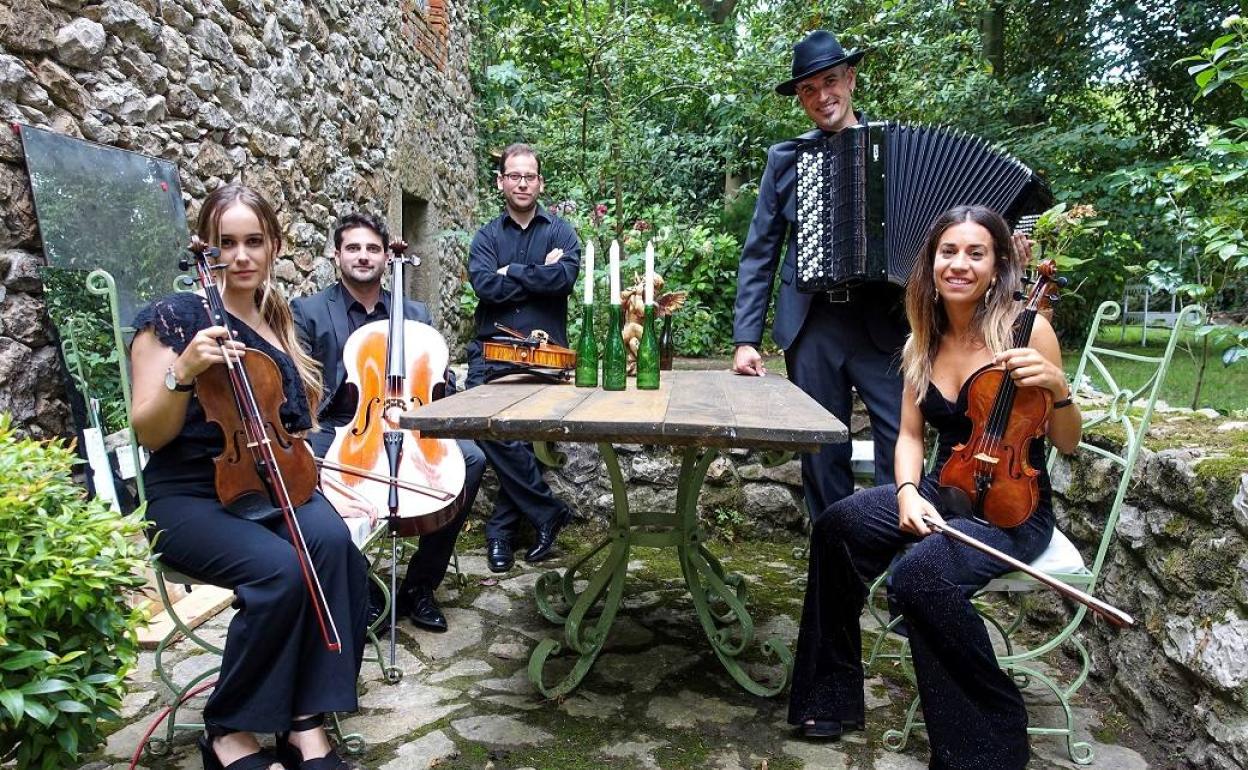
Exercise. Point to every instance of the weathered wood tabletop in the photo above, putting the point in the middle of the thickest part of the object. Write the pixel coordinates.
(691, 408)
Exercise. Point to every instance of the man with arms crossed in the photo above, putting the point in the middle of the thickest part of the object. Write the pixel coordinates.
(523, 266)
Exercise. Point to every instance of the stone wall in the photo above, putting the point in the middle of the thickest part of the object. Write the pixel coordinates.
(325, 107)
(1179, 564)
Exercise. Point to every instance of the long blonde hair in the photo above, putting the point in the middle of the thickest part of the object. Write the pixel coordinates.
(274, 308)
(994, 316)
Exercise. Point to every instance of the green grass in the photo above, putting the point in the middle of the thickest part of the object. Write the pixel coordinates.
(1225, 388)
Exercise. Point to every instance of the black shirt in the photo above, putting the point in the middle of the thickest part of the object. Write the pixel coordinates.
(532, 295)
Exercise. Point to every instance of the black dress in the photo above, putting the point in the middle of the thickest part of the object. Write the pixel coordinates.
(974, 714)
(275, 664)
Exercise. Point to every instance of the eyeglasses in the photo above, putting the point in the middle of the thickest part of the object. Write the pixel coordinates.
(515, 178)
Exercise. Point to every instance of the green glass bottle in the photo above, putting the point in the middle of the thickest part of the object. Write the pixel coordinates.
(614, 361)
(667, 345)
(587, 352)
(648, 354)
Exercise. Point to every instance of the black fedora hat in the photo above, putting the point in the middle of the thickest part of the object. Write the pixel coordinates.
(817, 52)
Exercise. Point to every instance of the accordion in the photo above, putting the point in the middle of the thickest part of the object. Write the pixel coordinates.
(867, 195)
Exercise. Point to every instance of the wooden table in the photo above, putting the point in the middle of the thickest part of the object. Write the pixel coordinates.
(700, 411)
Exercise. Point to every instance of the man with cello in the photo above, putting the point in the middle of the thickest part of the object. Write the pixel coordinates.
(325, 322)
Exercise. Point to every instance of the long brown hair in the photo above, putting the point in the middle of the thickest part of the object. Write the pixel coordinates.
(994, 316)
(274, 308)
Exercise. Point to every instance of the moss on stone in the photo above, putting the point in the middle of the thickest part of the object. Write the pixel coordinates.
(1224, 472)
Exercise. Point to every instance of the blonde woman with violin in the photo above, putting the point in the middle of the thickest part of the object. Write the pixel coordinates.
(277, 675)
(961, 308)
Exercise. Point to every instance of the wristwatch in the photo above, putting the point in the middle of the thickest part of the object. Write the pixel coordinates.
(171, 382)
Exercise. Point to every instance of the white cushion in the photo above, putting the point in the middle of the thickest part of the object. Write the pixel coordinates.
(1060, 558)
(360, 529)
(862, 458)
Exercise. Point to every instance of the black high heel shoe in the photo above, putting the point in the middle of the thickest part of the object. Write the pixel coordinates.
(292, 757)
(261, 760)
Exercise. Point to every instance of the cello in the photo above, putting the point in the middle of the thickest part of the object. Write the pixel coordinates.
(262, 466)
(396, 366)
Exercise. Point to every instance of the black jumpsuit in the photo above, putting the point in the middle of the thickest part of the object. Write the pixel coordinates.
(974, 714)
(275, 664)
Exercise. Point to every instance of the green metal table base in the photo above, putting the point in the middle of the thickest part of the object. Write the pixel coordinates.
(719, 598)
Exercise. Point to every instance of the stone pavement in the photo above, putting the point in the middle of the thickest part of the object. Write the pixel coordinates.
(657, 697)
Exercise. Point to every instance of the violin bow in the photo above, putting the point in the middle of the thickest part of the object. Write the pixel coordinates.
(1104, 609)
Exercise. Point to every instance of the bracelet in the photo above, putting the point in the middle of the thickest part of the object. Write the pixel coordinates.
(905, 484)
(1065, 402)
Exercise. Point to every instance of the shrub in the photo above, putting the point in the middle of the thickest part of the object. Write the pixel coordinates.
(66, 633)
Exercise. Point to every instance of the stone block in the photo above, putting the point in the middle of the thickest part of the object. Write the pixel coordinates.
(1239, 504)
(1216, 651)
(80, 43)
(209, 39)
(62, 87)
(18, 225)
(23, 270)
(128, 21)
(23, 318)
(27, 26)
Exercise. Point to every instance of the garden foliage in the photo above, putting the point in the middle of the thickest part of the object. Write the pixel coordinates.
(67, 634)
(661, 111)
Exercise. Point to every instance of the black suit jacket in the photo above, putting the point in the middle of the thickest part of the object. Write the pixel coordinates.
(771, 230)
(321, 321)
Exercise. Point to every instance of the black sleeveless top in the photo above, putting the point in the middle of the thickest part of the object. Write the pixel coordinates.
(954, 427)
(187, 459)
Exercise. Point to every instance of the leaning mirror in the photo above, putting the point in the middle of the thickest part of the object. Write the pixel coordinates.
(113, 225)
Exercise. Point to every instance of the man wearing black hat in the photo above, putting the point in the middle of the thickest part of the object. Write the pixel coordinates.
(832, 341)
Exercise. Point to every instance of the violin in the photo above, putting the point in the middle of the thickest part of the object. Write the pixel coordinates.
(530, 351)
(262, 466)
(396, 366)
(989, 475)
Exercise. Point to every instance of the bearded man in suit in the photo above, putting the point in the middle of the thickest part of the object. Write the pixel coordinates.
(325, 320)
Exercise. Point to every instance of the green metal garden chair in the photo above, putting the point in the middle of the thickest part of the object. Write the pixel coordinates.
(1104, 401)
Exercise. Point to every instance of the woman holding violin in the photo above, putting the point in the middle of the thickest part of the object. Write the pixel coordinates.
(962, 313)
(279, 672)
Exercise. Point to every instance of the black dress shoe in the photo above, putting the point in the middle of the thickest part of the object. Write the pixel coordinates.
(544, 548)
(498, 552)
(425, 612)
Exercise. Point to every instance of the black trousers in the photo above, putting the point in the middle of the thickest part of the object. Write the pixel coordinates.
(428, 565)
(975, 715)
(276, 664)
(833, 354)
(522, 492)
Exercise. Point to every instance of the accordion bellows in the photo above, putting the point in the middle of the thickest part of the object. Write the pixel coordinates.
(867, 195)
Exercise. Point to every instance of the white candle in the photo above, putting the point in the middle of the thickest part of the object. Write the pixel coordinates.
(649, 272)
(615, 272)
(589, 273)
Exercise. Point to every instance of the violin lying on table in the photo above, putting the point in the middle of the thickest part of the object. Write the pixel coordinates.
(531, 353)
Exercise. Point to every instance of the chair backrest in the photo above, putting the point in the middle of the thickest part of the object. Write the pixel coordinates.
(1127, 407)
(101, 283)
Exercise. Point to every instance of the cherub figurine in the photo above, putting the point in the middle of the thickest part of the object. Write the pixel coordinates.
(633, 302)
